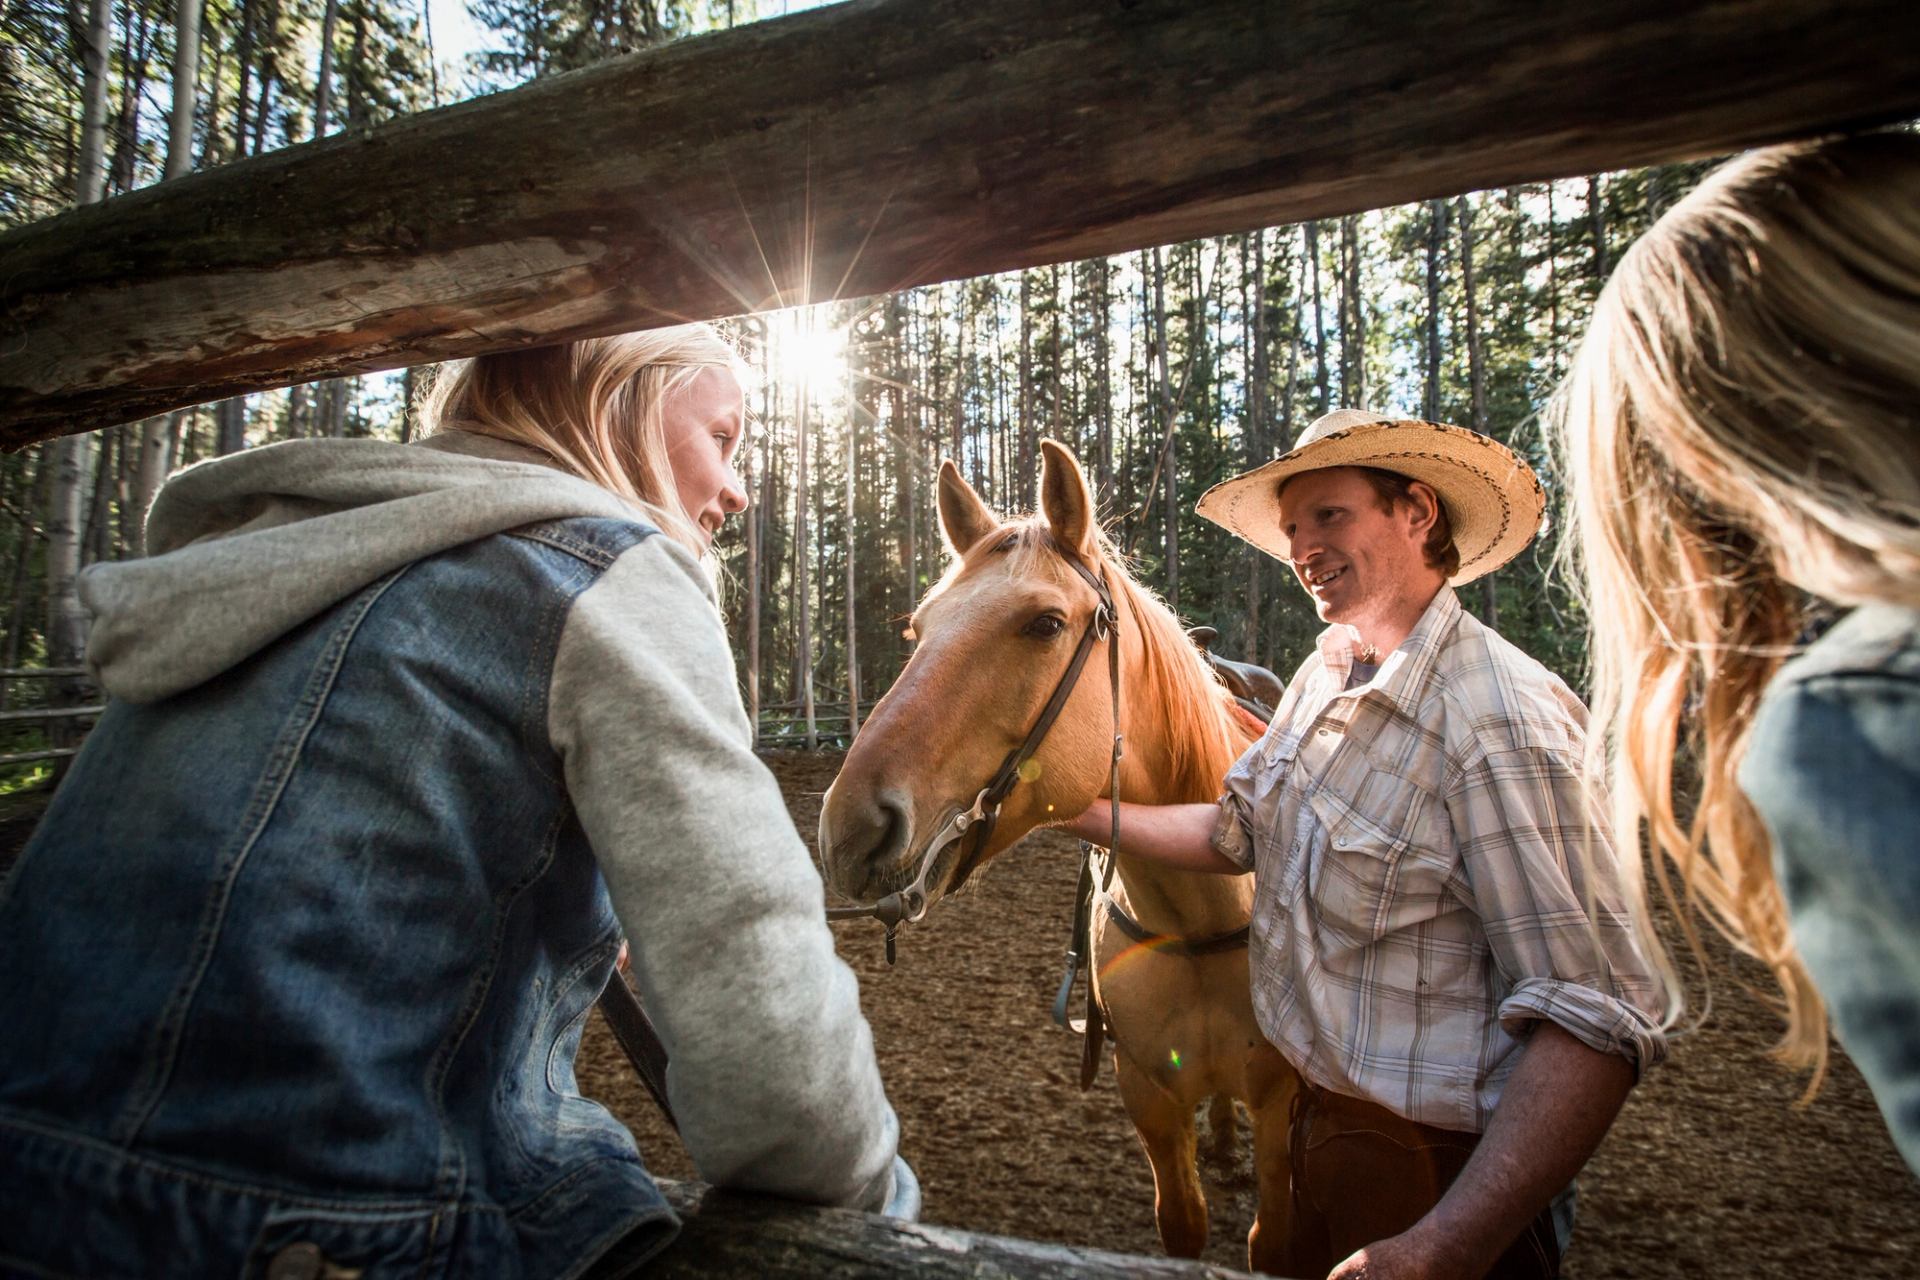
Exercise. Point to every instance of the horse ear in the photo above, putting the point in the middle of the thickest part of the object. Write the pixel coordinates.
(1064, 497)
(963, 517)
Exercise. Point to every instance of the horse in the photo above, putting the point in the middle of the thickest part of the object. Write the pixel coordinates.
(993, 639)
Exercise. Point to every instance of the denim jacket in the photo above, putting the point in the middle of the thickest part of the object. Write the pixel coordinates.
(1833, 766)
(296, 965)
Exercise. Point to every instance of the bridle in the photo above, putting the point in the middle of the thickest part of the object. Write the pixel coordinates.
(635, 1032)
(910, 904)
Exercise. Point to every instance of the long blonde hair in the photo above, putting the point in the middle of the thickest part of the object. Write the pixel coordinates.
(593, 406)
(1739, 429)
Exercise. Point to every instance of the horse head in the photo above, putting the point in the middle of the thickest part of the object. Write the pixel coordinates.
(992, 641)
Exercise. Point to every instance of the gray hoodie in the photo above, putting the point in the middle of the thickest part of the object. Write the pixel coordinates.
(773, 1079)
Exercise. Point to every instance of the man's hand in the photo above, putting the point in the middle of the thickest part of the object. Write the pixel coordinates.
(1556, 1106)
(1401, 1257)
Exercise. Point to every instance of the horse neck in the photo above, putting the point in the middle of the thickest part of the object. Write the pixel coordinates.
(1182, 731)
(1181, 737)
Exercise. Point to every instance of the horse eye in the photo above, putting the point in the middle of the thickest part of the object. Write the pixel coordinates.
(1044, 627)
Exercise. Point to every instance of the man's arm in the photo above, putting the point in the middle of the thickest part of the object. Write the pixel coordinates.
(1556, 1107)
(1176, 835)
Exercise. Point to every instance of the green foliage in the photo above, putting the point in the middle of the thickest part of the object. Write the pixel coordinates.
(1222, 350)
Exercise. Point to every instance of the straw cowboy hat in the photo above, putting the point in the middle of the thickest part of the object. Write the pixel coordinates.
(1493, 500)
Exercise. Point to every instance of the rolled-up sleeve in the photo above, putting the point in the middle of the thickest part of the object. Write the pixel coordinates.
(1545, 883)
(1233, 826)
(1232, 835)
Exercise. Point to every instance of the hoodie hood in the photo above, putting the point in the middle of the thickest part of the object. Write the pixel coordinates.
(246, 548)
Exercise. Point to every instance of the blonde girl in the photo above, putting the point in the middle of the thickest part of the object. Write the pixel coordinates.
(1741, 432)
(404, 742)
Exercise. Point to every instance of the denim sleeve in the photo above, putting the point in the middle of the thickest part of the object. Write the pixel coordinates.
(773, 1078)
(1833, 766)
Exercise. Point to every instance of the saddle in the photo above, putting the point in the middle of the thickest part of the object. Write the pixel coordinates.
(1257, 691)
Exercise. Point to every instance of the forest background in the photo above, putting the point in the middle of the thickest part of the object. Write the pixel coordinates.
(1164, 370)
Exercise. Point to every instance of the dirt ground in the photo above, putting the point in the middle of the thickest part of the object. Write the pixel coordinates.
(1710, 1171)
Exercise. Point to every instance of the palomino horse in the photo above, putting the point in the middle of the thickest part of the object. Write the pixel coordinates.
(994, 637)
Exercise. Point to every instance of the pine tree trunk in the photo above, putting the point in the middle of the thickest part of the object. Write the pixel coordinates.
(1353, 328)
(906, 444)
(1258, 416)
(957, 424)
(299, 412)
(1056, 389)
(1476, 376)
(1164, 419)
(1597, 226)
(126, 468)
(1436, 239)
(66, 620)
(269, 74)
(756, 516)
(96, 41)
(323, 83)
(1022, 486)
(356, 66)
(158, 439)
(100, 509)
(36, 498)
(216, 79)
(126, 145)
(1553, 289)
(1321, 404)
(186, 72)
(243, 55)
(1103, 382)
(230, 419)
(853, 636)
(803, 663)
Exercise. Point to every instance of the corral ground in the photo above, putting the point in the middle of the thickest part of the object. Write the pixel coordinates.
(1710, 1172)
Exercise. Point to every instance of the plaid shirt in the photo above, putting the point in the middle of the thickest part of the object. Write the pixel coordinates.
(1421, 849)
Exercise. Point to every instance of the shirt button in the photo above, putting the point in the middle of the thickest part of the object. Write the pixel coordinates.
(301, 1261)
(1325, 732)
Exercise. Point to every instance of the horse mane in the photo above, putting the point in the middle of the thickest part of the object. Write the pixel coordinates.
(1204, 735)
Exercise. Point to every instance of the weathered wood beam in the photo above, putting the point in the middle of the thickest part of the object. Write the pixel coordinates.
(732, 1235)
(878, 145)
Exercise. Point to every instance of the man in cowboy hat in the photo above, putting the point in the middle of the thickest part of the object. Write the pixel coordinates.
(1439, 945)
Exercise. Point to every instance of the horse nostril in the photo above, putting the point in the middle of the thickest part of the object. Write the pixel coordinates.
(863, 837)
(890, 840)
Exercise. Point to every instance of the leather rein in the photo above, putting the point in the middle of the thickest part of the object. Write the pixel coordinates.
(642, 1044)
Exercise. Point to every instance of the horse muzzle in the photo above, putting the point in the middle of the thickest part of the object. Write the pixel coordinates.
(865, 836)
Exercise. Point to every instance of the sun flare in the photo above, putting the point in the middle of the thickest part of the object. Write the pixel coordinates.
(805, 350)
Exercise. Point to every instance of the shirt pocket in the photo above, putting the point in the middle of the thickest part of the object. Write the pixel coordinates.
(1375, 868)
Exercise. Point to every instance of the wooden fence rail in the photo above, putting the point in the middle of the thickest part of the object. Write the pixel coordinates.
(727, 1235)
(877, 145)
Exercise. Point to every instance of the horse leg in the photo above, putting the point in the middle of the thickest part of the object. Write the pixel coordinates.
(1221, 1132)
(1165, 1126)
(1271, 1087)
